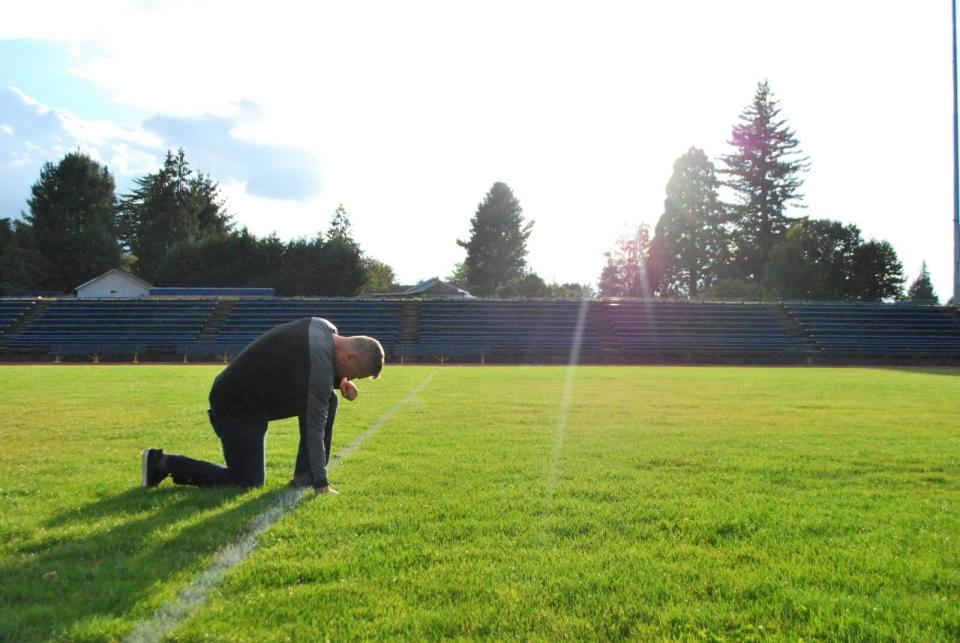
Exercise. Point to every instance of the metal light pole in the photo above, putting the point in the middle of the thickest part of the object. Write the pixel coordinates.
(956, 169)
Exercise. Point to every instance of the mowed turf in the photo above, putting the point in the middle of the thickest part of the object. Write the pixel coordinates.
(717, 503)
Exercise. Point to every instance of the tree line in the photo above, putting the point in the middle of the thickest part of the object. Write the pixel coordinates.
(704, 246)
(746, 247)
(171, 230)
(723, 234)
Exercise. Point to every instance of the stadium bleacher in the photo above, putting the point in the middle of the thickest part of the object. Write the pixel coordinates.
(112, 327)
(250, 318)
(508, 328)
(522, 331)
(645, 326)
(12, 310)
(844, 329)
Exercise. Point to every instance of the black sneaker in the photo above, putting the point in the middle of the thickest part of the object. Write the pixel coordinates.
(152, 475)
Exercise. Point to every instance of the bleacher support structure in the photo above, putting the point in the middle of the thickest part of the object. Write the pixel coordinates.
(612, 331)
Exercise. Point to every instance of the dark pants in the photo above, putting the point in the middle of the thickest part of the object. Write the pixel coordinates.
(244, 442)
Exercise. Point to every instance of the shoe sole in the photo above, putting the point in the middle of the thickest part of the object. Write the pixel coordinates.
(143, 468)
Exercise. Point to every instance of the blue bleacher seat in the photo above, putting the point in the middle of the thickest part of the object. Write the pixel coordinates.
(506, 330)
(251, 318)
(70, 326)
(878, 329)
(12, 310)
(506, 327)
(699, 327)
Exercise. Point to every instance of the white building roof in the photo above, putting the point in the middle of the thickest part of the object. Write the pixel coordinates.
(125, 275)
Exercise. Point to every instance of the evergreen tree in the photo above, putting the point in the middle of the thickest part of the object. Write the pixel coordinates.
(212, 218)
(72, 215)
(625, 274)
(20, 262)
(764, 174)
(236, 259)
(340, 227)
(922, 288)
(691, 245)
(301, 271)
(168, 208)
(333, 267)
(497, 248)
(341, 268)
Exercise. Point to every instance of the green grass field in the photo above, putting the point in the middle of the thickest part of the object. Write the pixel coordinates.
(688, 503)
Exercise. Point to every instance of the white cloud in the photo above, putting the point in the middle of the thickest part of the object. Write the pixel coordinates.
(57, 131)
(38, 107)
(18, 161)
(212, 147)
(414, 109)
(98, 132)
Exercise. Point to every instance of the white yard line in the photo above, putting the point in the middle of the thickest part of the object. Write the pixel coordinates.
(168, 617)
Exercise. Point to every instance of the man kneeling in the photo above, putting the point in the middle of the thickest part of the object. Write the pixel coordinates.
(290, 370)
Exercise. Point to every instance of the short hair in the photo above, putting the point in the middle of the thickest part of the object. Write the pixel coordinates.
(370, 353)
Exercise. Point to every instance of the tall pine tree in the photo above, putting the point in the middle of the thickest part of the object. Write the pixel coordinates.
(922, 288)
(764, 174)
(497, 248)
(340, 226)
(73, 215)
(690, 245)
(212, 218)
(341, 268)
(168, 208)
(21, 266)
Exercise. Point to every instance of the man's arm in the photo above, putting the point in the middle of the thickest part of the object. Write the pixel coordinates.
(319, 388)
(312, 437)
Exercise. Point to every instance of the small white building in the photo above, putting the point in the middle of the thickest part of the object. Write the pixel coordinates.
(114, 283)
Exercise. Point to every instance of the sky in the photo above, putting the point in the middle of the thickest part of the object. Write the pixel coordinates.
(408, 112)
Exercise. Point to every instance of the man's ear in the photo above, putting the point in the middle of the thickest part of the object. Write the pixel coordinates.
(351, 361)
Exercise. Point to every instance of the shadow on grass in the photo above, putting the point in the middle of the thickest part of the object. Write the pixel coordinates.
(114, 554)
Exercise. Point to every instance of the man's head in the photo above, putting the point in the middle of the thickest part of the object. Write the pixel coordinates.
(358, 356)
